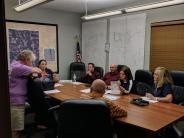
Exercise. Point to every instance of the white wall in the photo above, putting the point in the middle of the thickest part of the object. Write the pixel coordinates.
(69, 25)
(155, 15)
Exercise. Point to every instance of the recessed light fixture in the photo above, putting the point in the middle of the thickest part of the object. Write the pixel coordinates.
(133, 9)
(28, 4)
(100, 15)
(154, 5)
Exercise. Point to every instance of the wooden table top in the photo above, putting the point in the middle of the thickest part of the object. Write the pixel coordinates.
(153, 117)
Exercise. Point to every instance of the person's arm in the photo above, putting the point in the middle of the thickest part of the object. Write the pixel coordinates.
(123, 90)
(168, 98)
(128, 89)
(24, 70)
(95, 76)
(116, 110)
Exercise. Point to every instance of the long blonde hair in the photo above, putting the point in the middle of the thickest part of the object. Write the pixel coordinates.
(164, 76)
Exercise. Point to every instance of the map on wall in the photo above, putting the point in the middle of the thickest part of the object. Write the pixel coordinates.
(93, 42)
(21, 40)
(41, 38)
(127, 36)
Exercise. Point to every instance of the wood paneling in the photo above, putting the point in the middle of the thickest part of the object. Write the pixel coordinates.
(167, 46)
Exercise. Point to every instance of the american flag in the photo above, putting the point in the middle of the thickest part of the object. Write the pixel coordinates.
(78, 53)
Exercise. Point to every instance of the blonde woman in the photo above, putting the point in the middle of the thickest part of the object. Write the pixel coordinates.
(162, 90)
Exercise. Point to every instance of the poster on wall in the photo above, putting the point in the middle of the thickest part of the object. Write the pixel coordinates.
(40, 38)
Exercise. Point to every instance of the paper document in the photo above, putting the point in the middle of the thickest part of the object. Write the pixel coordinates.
(111, 97)
(85, 90)
(58, 84)
(65, 81)
(52, 91)
(112, 92)
(147, 99)
(77, 83)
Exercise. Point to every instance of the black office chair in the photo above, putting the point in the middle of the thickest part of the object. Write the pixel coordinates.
(178, 94)
(77, 68)
(178, 98)
(144, 76)
(119, 67)
(143, 81)
(178, 78)
(41, 106)
(84, 119)
(100, 70)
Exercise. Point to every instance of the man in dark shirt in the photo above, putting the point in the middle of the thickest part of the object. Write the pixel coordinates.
(113, 75)
(91, 74)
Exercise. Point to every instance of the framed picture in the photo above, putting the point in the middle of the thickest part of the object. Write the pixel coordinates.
(41, 38)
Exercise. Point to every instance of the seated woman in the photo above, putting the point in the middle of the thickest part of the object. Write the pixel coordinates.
(162, 90)
(126, 80)
(47, 74)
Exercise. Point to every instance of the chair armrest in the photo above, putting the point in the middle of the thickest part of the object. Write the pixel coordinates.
(182, 103)
(53, 108)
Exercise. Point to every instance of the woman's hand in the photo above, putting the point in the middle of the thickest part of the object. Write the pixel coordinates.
(150, 96)
(44, 74)
(123, 90)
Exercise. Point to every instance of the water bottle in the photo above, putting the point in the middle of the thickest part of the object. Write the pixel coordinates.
(74, 77)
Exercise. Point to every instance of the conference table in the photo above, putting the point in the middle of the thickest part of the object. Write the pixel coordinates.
(151, 118)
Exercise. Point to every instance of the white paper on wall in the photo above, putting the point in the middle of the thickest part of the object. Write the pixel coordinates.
(93, 42)
(127, 37)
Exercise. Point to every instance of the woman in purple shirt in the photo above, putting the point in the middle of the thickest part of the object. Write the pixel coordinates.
(20, 69)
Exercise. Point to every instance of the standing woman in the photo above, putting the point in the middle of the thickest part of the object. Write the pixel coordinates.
(20, 69)
(46, 72)
(162, 90)
(126, 80)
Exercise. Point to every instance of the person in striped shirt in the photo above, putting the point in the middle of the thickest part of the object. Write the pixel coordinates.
(97, 91)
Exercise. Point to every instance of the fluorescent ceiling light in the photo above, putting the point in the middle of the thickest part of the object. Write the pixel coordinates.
(28, 4)
(100, 15)
(154, 5)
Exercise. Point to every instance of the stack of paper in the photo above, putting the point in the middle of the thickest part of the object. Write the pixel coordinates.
(77, 83)
(112, 92)
(65, 81)
(111, 97)
(85, 90)
(147, 99)
(52, 91)
(58, 84)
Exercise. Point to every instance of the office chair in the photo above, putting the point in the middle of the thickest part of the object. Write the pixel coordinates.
(100, 70)
(178, 94)
(178, 98)
(144, 76)
(40, 106)
(84, 119)
(178, 78)
(77, 68)
(119, 67)
(143, 81)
